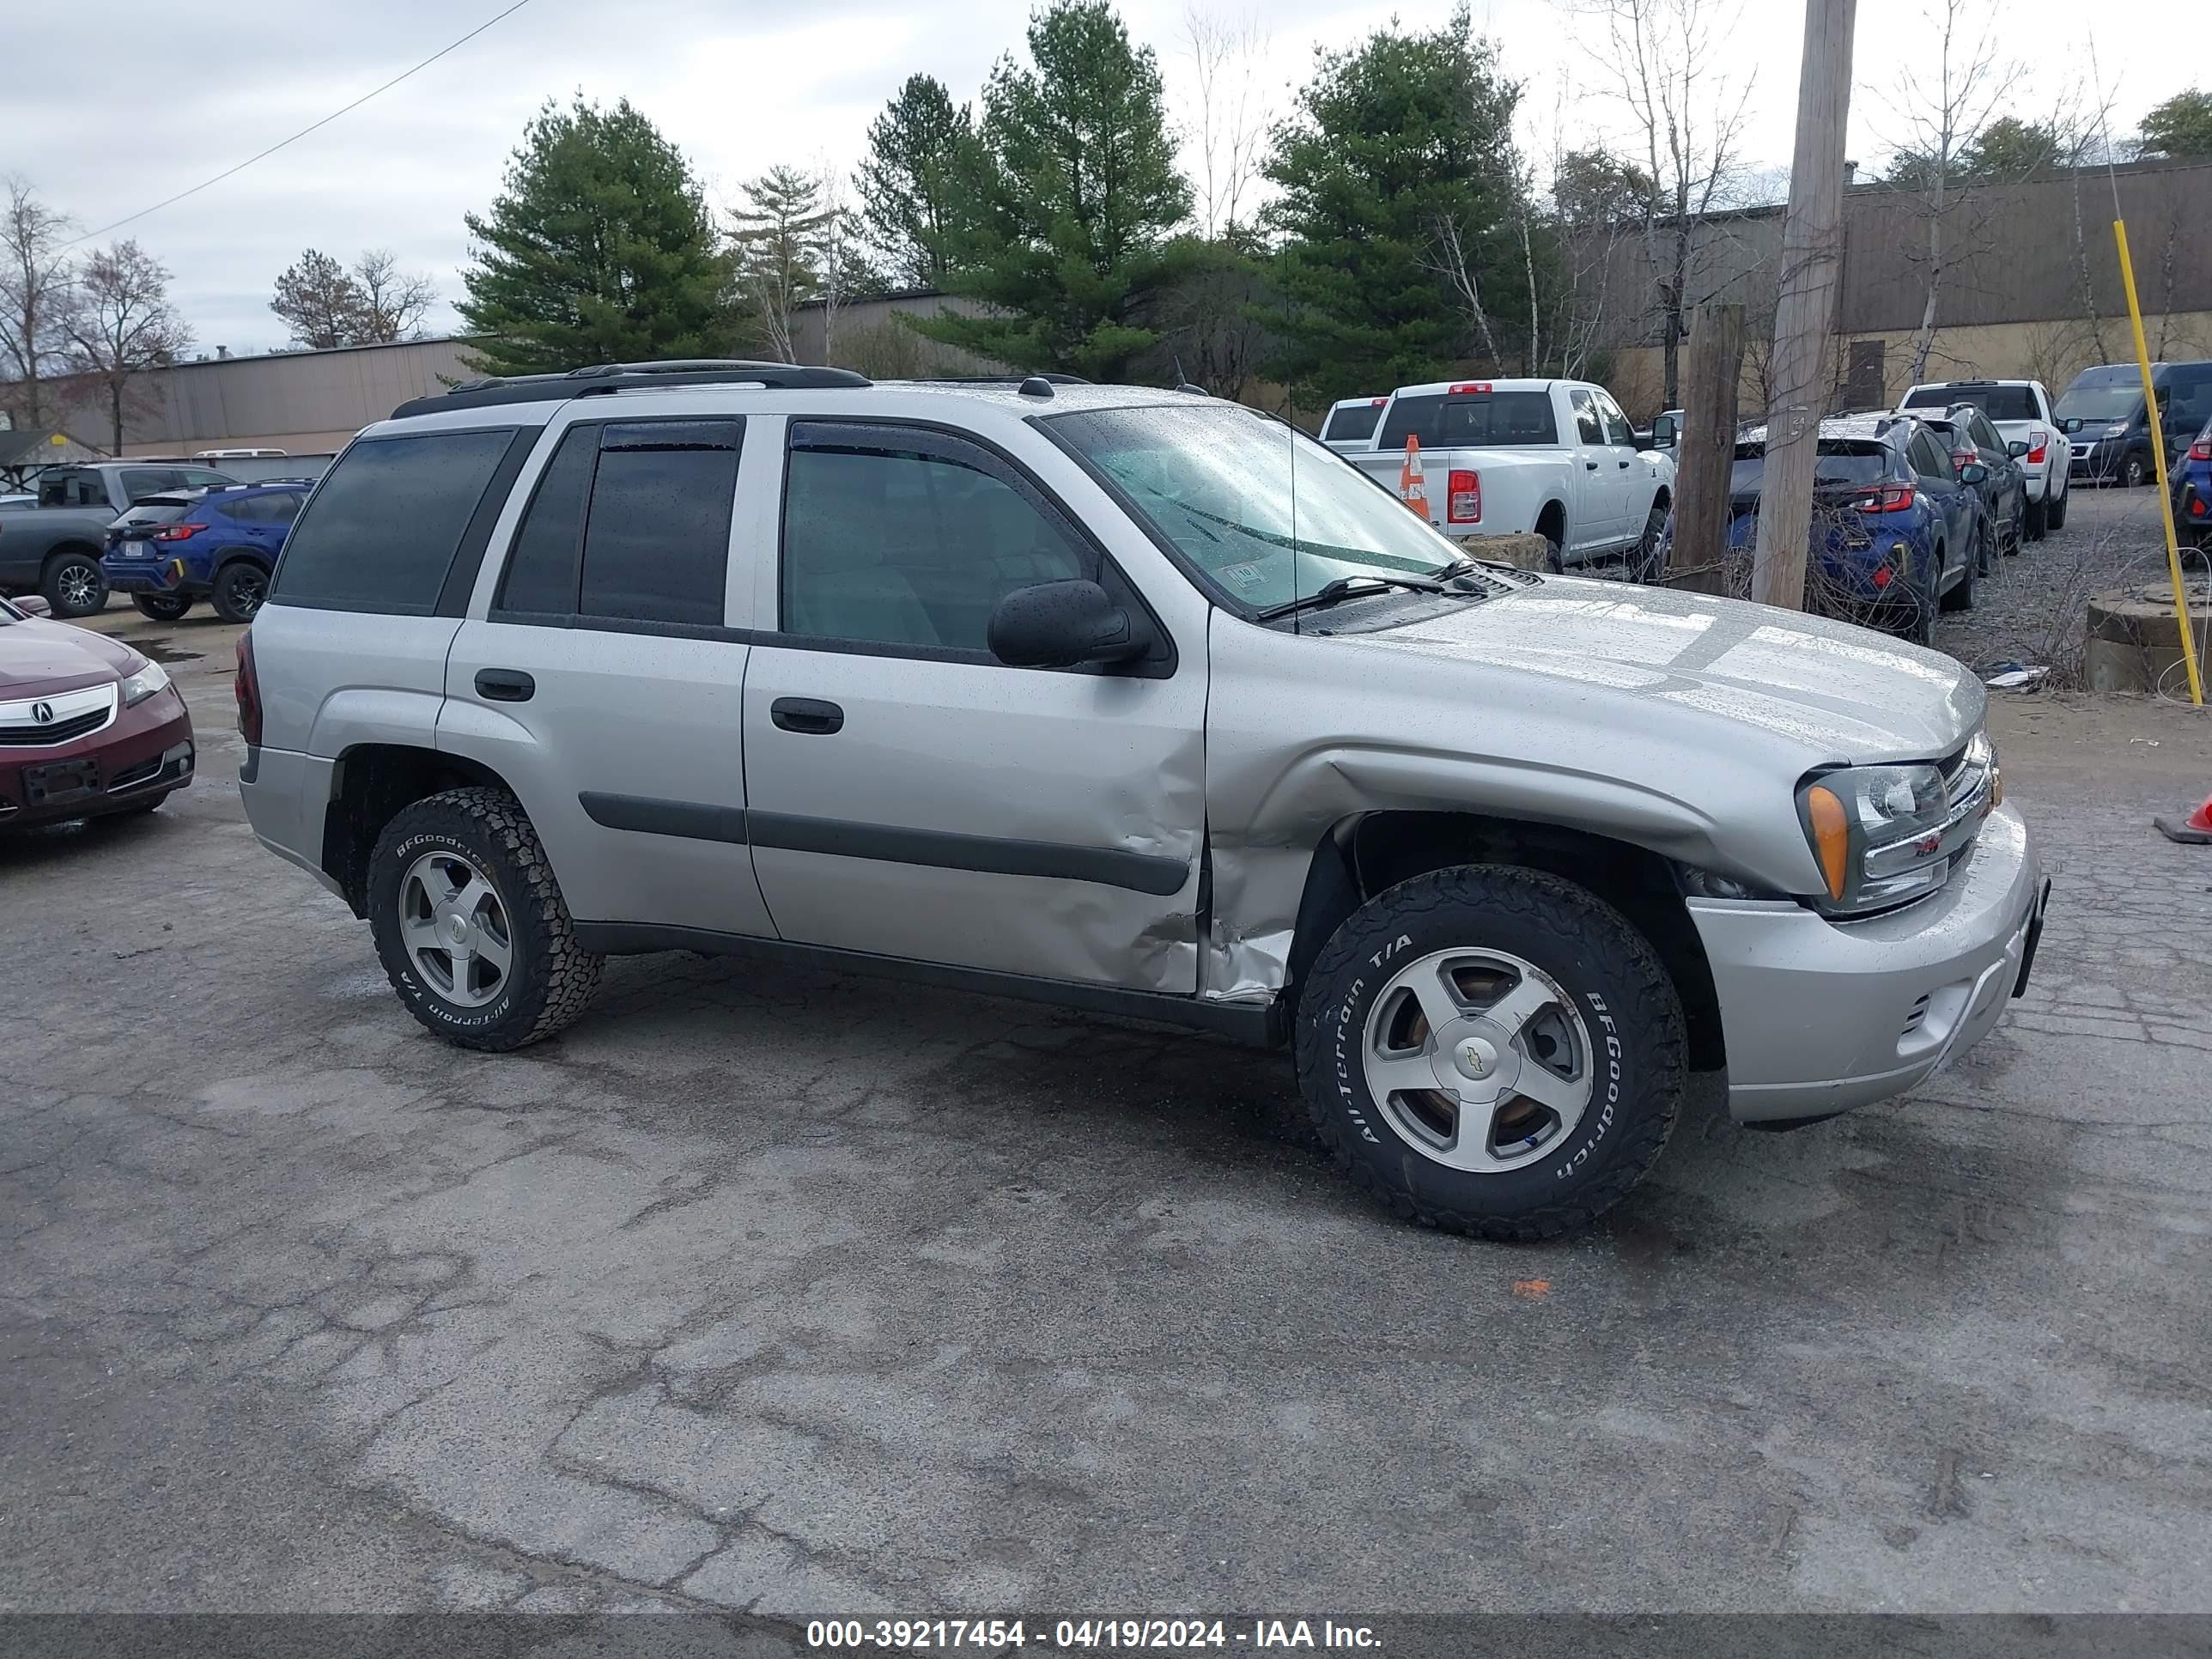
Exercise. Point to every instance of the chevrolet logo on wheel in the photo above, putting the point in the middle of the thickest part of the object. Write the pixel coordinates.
(43, 713)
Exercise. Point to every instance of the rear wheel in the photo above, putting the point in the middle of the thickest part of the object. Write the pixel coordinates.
(163, 607)
(2054, 510)
(74, 584)
(1492, 1049)
(2037, 520)
(238, 591)
(470, 924)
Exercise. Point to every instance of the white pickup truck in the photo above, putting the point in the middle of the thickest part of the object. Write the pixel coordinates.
(1501, 458)
(2021, 411)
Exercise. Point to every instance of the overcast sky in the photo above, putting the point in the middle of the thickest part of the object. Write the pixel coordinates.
(742, 84)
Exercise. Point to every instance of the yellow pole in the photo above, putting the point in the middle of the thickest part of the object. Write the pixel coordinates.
(2157, 460)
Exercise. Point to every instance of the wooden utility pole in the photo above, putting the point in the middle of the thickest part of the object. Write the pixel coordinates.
(1707, 455)
(1805, 315)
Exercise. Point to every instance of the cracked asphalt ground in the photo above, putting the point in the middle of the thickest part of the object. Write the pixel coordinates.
(793, 1294)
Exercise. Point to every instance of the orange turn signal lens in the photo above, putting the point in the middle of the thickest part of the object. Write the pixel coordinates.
(1832, 836)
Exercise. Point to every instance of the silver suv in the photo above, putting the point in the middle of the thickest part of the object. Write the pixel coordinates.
(1138, 703)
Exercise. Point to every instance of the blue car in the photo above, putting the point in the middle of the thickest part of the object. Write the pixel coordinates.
(174, 548)
(1897, 529)
(2192, 491)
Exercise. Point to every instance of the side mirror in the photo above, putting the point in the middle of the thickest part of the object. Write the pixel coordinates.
(1059, 625)
(2070, 425)
(33, 605)
(2016, 449)
(1974, 473)
(1663, 432)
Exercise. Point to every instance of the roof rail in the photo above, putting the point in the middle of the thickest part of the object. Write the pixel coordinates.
(618, 377)
(999, 379)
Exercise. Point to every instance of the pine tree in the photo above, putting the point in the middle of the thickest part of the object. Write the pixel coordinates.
(920, 165)
(1079, 195)
(599, 249)
(317, 300)
(1392, 166)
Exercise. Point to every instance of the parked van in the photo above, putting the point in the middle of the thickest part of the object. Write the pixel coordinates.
(2103, 412)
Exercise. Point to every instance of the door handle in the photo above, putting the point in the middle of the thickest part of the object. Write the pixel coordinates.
(1589, 466)
(505, 685)
(1624, 466)
(809, 716)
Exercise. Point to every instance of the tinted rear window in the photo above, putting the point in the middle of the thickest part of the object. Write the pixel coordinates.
(1500, 419)
(1353, 421)
(1842, 461)
(1999, 403)
(72, 489)
(157, 509)
(382, 531)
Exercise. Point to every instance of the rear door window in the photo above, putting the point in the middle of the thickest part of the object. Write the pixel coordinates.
(657, 533)
(384, 527)
(72, 490)
(1588, 427)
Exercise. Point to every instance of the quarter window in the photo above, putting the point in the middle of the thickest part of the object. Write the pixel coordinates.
(910, 546)
(387, 521)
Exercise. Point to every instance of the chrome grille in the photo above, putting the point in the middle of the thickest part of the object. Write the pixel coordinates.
(43, 722)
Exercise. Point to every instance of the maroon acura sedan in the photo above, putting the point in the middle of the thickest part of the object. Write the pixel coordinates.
(88, 726)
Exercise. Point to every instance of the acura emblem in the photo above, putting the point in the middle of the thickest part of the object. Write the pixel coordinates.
(43, 713)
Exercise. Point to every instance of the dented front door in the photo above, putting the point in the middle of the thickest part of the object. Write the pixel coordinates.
(909, 796)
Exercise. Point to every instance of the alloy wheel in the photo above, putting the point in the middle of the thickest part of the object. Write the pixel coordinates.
(1478, 1059)
(455, 929)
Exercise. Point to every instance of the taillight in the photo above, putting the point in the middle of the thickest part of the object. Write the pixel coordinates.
(2200, 450)
(1963, 459)
(1376, 402)
(178, 532)
(2039, 445)
(1468, 388)
(247, 688)
(1890, 498)
(1465, 493)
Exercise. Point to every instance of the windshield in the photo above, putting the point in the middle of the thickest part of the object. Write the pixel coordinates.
(2097, 403)
(1220, 484)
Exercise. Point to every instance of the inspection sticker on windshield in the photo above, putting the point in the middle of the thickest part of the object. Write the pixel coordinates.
(1244, 575)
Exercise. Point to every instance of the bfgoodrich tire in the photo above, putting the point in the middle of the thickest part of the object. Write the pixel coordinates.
(1492, 1049)
(470, 924)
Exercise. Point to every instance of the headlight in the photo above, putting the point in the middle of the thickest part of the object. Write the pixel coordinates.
(150, 677)
(2119, 431)
(1883, 835)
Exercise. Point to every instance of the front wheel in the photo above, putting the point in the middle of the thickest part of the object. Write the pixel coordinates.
(2134, 472)
(1960, 595)
(1649, 563)
(163, 607)
(1492, 1049)
(470, 924)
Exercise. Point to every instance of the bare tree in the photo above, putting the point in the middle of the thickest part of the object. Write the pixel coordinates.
(1452, 258)
(840, 265)
(1666, 60)
(1939, 111)
(37, 290)
(124, 325)
(1228, 117)
(392, 302)
(778, 233)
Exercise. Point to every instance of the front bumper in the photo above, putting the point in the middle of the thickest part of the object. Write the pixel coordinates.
(143, 755)
(1819, 1019)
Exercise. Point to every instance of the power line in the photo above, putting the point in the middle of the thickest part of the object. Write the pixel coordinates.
(303, 131)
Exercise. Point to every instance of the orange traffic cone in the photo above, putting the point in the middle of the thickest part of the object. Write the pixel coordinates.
(2195, 830)
(1412, 487)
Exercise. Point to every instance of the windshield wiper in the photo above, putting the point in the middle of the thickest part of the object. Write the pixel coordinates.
(1347, 587)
